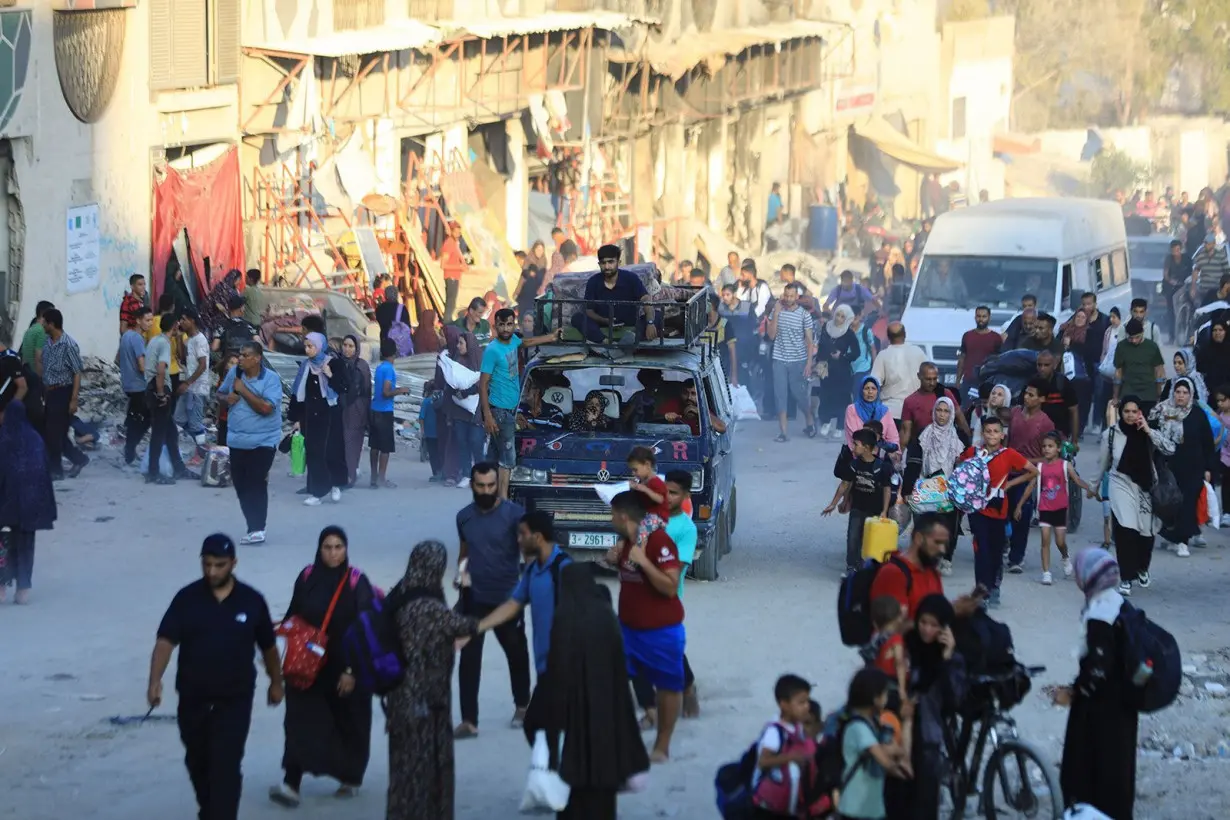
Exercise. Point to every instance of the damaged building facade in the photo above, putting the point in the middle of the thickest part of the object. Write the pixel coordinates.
(328, 143)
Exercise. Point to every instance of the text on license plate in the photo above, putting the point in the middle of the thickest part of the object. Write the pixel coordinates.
(591, 540)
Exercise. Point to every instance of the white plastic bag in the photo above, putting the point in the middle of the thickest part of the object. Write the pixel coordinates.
(460, 377)
(1084, 811)
(744, 404)
(164, 462)
(1213, 500)
(1107, 366)
(545, 791)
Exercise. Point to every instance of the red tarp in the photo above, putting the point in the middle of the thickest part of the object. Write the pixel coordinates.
(206, 201)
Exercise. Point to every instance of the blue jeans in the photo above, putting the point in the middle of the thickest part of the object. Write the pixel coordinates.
(990, 538)
(1020, 529)
(468, 444)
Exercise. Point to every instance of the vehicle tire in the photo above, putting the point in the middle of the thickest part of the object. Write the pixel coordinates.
(1018, 763)
(1076, 499)
(733, 514)
(706, 566)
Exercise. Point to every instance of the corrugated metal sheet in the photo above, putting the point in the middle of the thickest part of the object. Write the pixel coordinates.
(674, 59)
(542, 23)
(398, 35)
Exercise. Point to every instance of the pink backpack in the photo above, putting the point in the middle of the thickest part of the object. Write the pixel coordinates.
(785, 790)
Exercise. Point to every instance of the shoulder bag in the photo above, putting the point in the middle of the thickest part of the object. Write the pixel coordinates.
(305, 645)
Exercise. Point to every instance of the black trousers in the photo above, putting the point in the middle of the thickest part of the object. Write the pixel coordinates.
(1133, 550)
(59, 442)
(250, 476)
(214, 733)
(163, 433)
(643, 689)
(136, 424)
(512, 640)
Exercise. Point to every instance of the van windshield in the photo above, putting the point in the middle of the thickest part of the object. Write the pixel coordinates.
(995, 281)
(606, 400)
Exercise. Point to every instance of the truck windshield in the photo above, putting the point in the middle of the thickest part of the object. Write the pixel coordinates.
(995, 281)
(603, 399)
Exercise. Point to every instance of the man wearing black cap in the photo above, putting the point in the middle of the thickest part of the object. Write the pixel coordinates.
(1139, 368)
(613, 285)
(215, 622)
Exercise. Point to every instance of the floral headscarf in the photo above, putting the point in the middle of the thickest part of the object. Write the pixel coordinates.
(939, 442)
(578, 421)
(1192, 374)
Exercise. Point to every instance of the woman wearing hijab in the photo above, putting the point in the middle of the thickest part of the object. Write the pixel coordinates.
(1185, 368)
(1099, 748)
(1213, 358)
(1000, 399)
(427, 334)
(217, 308)
(419, 712)
(27, 498)
(836, 348)
(584, 695)
(1074, 333)
(314, 409)
(937, 685)
(591, 416)
(1126, 457)
(865, 408)
(465, 438)
(329, 725)
(356, 405)
(941, 447)
(1181, 420)
(386, 312)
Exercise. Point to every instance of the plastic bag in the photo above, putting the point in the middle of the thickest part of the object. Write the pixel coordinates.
(744, 404)
(1212, 506)
(164, 463)
(460, 377)
(1084, 811)
(298, 454)
(931, 496)
(545, 791)
(1107, 365)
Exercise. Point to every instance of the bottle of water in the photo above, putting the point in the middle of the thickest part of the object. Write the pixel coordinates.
(1143, 673)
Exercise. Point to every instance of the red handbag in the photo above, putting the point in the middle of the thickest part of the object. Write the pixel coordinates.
(305, 645)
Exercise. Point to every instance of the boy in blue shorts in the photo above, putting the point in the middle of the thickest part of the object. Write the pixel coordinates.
(650, 612)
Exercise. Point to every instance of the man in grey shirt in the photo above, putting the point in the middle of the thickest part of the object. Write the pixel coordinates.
(794, 347)
(158, 394)
(131, 359)
(488, 569)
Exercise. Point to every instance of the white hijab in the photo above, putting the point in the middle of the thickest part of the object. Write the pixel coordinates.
(840, 323)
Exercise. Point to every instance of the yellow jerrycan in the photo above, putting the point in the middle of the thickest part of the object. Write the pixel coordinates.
(879, 538)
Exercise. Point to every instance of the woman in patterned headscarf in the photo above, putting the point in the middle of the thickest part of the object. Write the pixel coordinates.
(419, 711)
(591, 416)
(1181, 420)
(1099, 749)
(314, 409)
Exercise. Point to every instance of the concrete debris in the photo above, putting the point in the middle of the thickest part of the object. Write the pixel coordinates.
(101, 399)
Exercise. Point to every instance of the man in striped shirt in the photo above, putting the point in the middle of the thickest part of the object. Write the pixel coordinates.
(1209, 265)
(794, 346)
(62, 382)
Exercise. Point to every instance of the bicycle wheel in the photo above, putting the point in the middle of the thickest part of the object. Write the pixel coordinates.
(1018, 782)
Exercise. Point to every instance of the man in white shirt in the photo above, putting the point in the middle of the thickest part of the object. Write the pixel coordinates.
(194, 387)
(896, 368)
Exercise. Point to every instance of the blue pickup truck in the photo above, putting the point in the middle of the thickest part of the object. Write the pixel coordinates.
(668, 394)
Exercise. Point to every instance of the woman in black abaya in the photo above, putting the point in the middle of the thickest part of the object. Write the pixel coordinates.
(585, 695)
(315, 409)
(329, 725)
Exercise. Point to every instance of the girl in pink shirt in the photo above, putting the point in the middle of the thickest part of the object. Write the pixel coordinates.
(1052, 480)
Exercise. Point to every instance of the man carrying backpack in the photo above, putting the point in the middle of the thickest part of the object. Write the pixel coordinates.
(911, 576)
(538, 585)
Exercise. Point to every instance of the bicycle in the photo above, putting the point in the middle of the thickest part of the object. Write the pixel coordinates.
(1038, 795)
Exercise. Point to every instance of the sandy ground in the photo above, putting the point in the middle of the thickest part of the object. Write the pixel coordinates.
(79, 654)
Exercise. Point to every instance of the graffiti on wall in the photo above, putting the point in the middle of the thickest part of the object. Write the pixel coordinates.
(15, 36)
(119, 261)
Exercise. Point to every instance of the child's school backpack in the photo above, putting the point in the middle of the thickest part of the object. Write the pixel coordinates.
(831, 777)
(1153, 667)
(854, 599)
(970, 483)
(1219, 429)
(373, 649)
(788, 791)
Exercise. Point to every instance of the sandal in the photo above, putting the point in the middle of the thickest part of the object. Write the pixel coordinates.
(389, 485)
(465, 731)
(781, 437)
(809, 431)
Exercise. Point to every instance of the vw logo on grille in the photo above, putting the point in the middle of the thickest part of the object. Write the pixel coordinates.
(604, 475)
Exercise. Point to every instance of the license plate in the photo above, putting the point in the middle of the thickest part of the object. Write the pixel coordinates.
(591, 540)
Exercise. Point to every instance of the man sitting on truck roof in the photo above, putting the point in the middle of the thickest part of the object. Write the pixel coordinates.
(611, 284)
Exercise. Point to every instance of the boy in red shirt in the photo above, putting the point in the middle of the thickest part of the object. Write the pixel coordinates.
(650, 612)
(989, 525)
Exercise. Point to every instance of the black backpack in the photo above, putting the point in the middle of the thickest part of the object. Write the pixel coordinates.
(1152, 665)
(854, 599)
(984, 643)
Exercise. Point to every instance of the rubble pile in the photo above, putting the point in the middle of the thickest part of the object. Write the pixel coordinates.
(101, 399)
(1206, 679)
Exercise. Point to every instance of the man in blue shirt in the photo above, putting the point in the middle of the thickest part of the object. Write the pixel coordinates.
(622, 287)
(499, 389)
(254, 430)
(131, 359)
(539, 582)
(776, 211)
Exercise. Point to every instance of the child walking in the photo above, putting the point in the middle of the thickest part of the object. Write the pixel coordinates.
(27, 499)
(867, 757)
(1054, 473)
(380, 439)
(869, 486)
(429, 432)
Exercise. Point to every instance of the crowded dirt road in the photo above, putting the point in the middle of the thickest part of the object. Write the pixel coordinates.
(80, 653)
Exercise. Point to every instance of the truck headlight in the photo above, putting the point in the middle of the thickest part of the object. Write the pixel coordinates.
(524, 475)
(698, 480)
